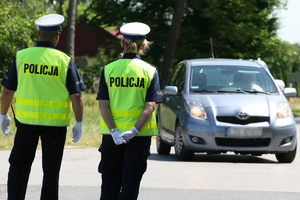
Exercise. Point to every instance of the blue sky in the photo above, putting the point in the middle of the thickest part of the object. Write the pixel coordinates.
(290, 22)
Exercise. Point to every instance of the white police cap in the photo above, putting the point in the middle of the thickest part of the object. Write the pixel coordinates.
(135, 30)
(50, 22)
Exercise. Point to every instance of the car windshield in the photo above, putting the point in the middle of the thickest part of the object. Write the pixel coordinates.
(235, 79)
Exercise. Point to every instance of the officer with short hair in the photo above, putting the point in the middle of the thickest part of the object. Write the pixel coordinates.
(128, 92)
(46, 81)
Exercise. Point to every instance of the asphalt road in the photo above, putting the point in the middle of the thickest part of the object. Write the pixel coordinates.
(209, 177)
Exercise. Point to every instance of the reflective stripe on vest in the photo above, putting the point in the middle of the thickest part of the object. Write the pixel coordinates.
(128, 81)
(148, 129)
(42, 97)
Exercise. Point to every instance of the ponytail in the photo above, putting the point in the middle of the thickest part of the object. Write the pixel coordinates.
(135, 46)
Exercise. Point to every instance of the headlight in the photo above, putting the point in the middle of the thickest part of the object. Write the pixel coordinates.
(282, 110)
(195, 109)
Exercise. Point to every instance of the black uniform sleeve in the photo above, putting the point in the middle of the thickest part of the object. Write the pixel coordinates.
(10, 80)
(153, 92)
(74, 82)
(103, 89)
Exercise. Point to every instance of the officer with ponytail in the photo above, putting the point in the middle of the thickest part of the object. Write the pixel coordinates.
(128, 92)
(45, 81)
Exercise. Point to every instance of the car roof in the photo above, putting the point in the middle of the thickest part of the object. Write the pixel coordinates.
(222, 61)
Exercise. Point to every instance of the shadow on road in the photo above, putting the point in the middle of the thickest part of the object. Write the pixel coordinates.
(215, 158)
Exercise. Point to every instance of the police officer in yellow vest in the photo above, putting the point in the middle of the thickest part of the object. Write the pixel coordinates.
(128, 92)
(46, 81)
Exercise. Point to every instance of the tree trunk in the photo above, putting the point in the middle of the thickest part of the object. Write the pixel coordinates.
(172, 39)
(71, 28)
(60, 5)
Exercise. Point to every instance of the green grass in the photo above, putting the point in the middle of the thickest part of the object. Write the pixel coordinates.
(295, 106)
(91, 136)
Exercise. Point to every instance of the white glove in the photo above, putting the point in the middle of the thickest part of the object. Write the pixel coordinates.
(116, 137)
(127, 135)
(5, 122)
(77, 131)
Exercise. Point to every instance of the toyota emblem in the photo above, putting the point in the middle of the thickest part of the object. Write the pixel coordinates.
(243, 116)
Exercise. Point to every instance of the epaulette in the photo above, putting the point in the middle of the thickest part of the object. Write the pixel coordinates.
(65, 53)
(151, 65)
(110, 62)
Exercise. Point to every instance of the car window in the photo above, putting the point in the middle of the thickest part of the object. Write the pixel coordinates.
(231, 78)
(178, 77)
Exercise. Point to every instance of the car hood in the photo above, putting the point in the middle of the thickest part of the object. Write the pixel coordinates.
(232, 104)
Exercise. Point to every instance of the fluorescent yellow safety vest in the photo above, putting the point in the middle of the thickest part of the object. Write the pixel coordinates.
(128, 81)
(42, 97)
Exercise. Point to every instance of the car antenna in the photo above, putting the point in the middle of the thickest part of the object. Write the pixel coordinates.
(211, 46)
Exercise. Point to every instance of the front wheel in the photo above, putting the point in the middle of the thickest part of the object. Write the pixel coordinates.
(181, 152)
(161, 147)
(287, 157)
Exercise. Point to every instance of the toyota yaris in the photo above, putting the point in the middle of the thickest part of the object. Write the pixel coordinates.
(222, 105)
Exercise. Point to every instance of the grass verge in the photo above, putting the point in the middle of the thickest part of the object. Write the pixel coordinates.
(295, 106)
(91, 136)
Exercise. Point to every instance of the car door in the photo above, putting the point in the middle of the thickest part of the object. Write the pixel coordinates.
(170, 104)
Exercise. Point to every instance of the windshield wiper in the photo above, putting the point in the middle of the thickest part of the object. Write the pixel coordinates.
(205, 90)
(237, 91)
(240, 90)
(232, 91)
(255, 92)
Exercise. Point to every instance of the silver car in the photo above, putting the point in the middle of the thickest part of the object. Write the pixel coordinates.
(222, 105)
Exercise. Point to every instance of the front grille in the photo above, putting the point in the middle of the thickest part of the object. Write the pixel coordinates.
(235, 120)
(233, 142)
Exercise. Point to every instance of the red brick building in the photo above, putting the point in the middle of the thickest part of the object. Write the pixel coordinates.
(87, 42)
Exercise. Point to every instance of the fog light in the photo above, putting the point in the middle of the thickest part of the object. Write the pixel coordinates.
(197, 140)
(287, 140)
(194, 139)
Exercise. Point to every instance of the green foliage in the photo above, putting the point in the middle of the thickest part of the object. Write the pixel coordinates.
(283, 58)
(91, 135)
(16, 32)
(295, 106)
(17, 27)
(29, 8)
(156, 13)
(95, 66)
(239, 29)
(63, 7)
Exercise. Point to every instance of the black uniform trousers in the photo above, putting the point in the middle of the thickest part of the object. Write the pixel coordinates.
(23, 153)
(122, 167)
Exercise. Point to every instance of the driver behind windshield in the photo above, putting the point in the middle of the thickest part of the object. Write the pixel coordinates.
(248, 83)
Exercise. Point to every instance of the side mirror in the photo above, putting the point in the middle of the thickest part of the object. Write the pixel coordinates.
(280, 84)
(171, 90)
(290, 92)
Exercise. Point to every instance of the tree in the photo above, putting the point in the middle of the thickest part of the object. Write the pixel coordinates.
(172, 38)
(239, 29)
(62, 7)
(71, 28)
(17, 31)
(17, 27)
(285, 59)
(96, 65)
(155, 13)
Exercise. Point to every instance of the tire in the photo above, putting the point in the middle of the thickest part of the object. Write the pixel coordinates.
(181, 152)
(161, 147)
(287, 157)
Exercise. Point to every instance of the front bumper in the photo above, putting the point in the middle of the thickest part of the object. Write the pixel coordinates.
(212, 137)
